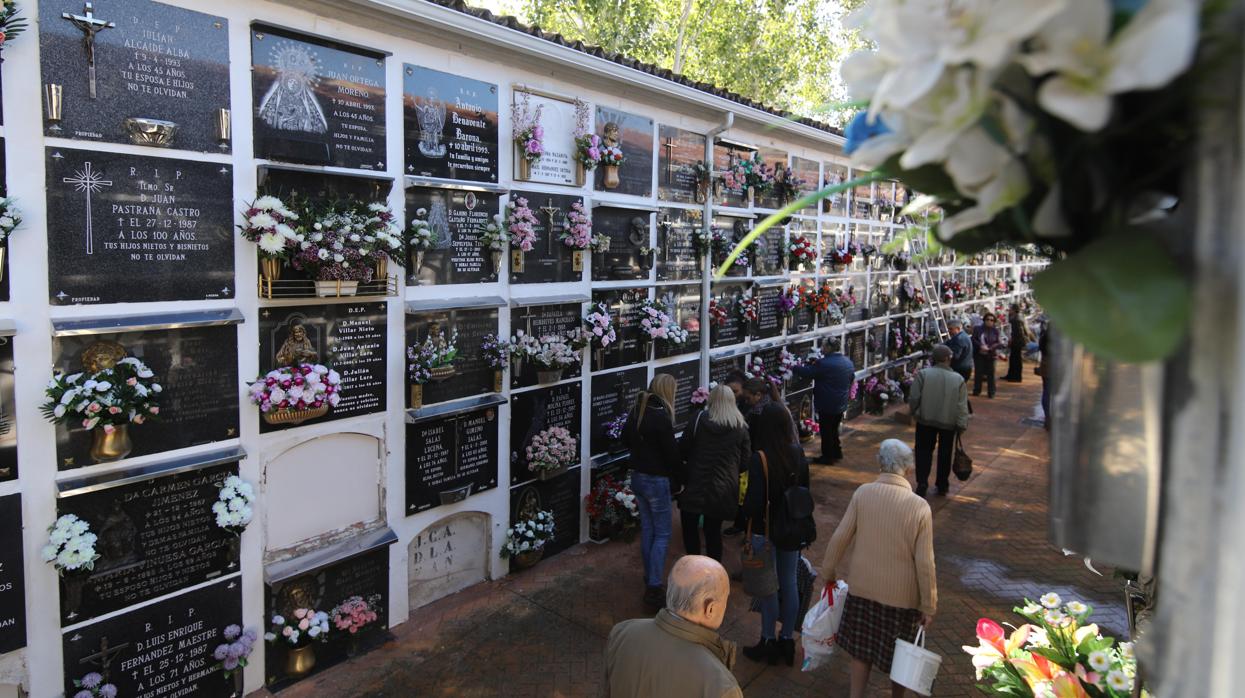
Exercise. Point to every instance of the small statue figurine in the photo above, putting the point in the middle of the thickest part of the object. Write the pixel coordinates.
(297, 349)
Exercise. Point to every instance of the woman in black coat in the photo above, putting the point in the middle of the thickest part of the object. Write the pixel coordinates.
(764, 503)
(716, 449)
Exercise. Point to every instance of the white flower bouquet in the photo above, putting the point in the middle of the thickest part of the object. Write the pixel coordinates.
(383, 235)
(10, 218)
(494, 236)
(109, 398)
(551, 450)
(270, 224)
(529, 534)
(307, 625)
(233, 505)
(71, 546)
(420, 236)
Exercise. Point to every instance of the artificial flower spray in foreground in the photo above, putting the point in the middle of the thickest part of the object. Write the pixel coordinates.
(1058, 124)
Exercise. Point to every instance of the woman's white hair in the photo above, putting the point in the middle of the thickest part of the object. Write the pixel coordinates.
(894, 456)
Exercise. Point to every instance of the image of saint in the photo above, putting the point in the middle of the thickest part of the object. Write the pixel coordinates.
(297, 348)
(430, 112)
(291, 104)
(439, 220)
(118, 540)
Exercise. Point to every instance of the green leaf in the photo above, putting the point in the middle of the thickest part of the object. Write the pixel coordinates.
(1122, 296)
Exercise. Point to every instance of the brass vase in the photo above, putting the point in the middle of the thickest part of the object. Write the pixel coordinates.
(270, 268)
(580, 174)
(299, 661)
(497, 262)
(497, 380)
(382, 268)
(417, 396)
(611, 177)
(525, 165)
(419, 260)
(107, 447)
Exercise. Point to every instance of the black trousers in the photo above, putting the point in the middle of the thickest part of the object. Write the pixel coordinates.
(983, 368)
(926, 437)
(831, 446)
(691, 534)
(1015, 363)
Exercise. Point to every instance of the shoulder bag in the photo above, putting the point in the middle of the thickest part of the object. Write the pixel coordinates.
(961, 464)
(759, 572)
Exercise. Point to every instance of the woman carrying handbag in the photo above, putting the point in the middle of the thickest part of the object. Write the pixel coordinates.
(777, 484)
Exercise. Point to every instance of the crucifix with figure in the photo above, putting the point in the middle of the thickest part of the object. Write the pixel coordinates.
(89, 181)
(668, 146)
(103, 657)
(89, 25)
(551, 211)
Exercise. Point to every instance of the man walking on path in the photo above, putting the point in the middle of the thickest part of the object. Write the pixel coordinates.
(939, 402)
(1016, 345)
(832, 376)
(985, 349)
(961, 349)
(679, 653)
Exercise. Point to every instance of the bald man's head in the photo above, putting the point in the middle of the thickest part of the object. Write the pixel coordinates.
(697, 590)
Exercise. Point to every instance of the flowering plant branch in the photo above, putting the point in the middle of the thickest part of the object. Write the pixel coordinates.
(550, 352)
(92, 686)
(420, 236)
(748, 308)
(611, 501)
(433, 352)
(10, 216)
(802, 249)
(587, 144)
(551, 450)
(109, 398)
(495, 352)
(307, 625)
(600, 325)
(269, 223)
(11, 26)
(525, 127)
(355, 613)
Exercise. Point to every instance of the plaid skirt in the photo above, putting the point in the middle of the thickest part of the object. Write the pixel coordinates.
(869, 629)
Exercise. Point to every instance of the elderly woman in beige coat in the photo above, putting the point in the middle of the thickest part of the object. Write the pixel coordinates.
(884, 550)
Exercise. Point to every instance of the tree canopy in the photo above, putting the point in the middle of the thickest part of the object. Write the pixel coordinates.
(784, 53)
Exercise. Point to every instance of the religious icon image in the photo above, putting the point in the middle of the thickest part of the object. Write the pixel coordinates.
(439, 221)
(291, 103)
(297, 347)
(118, 536)
(430, 113)
(89, 25)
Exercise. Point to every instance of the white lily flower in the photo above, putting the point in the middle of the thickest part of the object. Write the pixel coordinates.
(1004, 191)
(1156, 46)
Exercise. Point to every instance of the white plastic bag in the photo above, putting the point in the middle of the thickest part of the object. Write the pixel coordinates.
(821, 624)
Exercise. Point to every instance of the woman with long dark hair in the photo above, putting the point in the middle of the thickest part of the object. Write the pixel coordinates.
(716, 448)
(649, 434)
(777, 451)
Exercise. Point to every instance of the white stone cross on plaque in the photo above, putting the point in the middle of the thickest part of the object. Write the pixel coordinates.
(89, 181)
(89, 25)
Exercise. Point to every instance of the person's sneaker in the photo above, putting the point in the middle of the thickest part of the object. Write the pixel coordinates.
(765, 652)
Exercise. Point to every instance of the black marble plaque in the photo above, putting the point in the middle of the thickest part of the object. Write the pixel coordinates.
(156, 62)
(534, 411)
(809, 173)
(801, 351)
(365, 575)
(733, 229)
(560, 495)
(683, 302)
(8, 413)
(613, 395)
(156, 536)
(803, 319)
(855, 348)
(129, 228)
(458, 218)
(724, 156)
(549, 260)
(735, 330)
(347, 337)
(196, 367)
(628, 230)
(768, 258)
(677, 256)
(321, 187)
(472, 374)
(678, 151)
(769, 315)
(687, 379)
(878, 334)
(451, 125)
(720, 368)
(833, 174)
(316, 101)
(450, 459)
(635, 133)
(160, 650)
(538, 320)
(12, 579)
(632, 345)
(773, 159)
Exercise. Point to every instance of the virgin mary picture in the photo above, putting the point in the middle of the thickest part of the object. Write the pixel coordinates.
(290, 104)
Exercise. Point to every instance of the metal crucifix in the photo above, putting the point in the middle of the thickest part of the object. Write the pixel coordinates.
(103, 657)
(89, 25)
(668, 146)
(551, 211)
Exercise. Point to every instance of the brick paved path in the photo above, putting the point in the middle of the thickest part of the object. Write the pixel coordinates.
(542, 632)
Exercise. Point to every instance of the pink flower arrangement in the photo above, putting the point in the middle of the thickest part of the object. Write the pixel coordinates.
(355, 613)
(578, 232)
(812, 426)
(700, 396)
(301, 387)
(551, 450)
(521, 224)
(854, 390)
(600, 325)
(587, 145)
(526, 130)
(655, 320)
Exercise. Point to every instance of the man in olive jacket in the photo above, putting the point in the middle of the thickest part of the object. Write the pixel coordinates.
(939, 402)
(678, 654)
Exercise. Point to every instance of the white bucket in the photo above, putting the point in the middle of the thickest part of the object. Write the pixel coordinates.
(915, 667)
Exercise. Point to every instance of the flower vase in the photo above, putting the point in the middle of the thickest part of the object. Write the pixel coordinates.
(352, 645)
(838, 268)
(270, 269)
(3, 250)
(498, 380)
(382, 268)
(598, 358)
(417, 396)
(577, 261)
(73, 583)
(702, 191)
(527, 560)
(517, 261)
(235, 549)
(525, 165)
(419, 260)
(544, 475)
(549, 376)
(111, 446)
(279, 417)
(611, 179)
(580, 174)
(497, 262)
(299, 661)
(600, 530)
